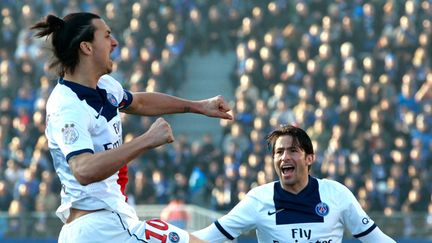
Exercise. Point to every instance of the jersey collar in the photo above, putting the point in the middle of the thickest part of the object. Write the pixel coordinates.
(95, 98)
(297, 208)
(84, 92)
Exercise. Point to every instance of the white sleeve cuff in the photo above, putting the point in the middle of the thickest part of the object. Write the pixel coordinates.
(376, 235)
(210, 234)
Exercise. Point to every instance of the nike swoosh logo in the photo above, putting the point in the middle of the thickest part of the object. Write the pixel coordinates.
(99, 113)
(277, 211)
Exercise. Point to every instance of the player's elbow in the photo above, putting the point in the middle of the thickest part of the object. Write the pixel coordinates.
(82, 178)
(85, 175)
(82, 174)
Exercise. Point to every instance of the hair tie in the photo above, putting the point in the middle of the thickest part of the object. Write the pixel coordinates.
(55, 23)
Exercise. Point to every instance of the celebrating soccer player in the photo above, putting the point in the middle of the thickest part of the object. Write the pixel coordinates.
(85, 135)
(298, 207)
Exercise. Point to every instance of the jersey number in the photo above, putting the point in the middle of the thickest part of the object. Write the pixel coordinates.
(158, 224)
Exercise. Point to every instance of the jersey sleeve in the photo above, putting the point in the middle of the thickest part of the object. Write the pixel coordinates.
(123, 96)
(241, 218)
(126, 100)
(354, 217)
(69, 128)
(210, 234)
(376, 236)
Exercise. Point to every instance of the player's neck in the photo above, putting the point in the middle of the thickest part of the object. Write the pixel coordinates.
(296, 188)
(83, 76)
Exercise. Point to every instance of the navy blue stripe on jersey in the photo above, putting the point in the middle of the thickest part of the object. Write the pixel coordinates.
(130, 234)
(298, 208)
(223, 231)
(366, 232)
(78, 152)
(96, 98)
(127, 100)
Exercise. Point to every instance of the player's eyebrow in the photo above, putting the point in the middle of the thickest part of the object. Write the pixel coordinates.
(287, 147)
(108, 31)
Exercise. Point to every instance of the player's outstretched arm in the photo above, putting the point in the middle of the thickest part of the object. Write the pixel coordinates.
(194, 239)
(154, 104)
(376, 236)
(211, 234)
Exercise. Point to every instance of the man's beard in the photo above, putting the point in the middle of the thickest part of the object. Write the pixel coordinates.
(109, 68)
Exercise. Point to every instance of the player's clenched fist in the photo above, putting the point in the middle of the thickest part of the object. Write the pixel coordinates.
(216, 107)
(160, 133)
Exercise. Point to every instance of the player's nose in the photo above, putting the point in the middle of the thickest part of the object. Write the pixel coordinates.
(114, 42)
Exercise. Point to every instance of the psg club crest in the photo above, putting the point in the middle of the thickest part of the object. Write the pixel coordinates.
(322, 209)
(112, 100)
(173, 237)
(70, 133)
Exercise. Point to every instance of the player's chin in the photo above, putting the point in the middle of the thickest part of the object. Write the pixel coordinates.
(287, 183)
(286, 179)
(110, 64)
(109, 69)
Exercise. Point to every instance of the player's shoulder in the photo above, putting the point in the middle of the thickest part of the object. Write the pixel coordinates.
(324, 182)
(332, 185)
(111, 85)
(108, 81)
(106, 78)
(65, 102)
(61, 97)
(262, 192)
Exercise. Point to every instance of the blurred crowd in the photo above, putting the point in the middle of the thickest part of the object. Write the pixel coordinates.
(355, 74)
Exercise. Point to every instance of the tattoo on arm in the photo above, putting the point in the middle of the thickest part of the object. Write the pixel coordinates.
(186, 109)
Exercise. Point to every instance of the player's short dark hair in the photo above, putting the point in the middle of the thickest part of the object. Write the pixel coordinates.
(300, 138)
(66, 35)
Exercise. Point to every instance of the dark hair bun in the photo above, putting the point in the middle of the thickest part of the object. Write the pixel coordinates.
(55, 23)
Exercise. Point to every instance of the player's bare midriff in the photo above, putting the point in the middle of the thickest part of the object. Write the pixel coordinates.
(76, 213)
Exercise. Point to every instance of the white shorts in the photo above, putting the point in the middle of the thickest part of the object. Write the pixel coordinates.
(106, 226)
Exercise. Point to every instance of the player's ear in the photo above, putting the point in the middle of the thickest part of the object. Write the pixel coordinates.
(85, 47)
(310, 159)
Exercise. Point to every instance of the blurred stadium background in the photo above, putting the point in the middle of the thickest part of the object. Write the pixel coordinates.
(355, 74)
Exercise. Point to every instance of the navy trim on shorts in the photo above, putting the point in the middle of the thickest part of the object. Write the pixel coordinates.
(223, 231)
(366, 232)
(130, 234)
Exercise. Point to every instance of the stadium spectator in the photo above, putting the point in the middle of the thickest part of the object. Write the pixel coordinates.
(5, 196)
(175, 212)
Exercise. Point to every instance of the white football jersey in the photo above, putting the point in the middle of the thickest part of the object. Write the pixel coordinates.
(81, 119)
(319, 213)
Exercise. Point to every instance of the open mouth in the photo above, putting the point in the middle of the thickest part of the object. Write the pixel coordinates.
(287, 169)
